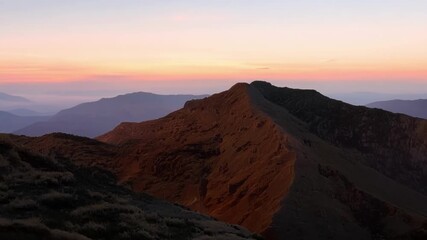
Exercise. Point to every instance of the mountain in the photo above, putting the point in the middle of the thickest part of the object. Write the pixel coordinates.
(26, 112)
(10, 98)
(50, 198)
(287, 163)
(414, 108)
(364, 98)
(95, 118)
(10, 122)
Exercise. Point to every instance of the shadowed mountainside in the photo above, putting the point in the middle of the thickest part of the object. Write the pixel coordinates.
(50, 198)
(393, 144)
(94, 118)
(414, 108)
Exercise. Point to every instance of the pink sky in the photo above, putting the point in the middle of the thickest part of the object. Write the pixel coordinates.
(53, 41)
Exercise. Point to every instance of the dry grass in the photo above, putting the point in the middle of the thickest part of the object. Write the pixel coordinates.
(74, 203)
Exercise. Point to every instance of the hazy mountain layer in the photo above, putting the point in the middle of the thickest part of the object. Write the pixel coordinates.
(10, 98)
(414, 108)
(95, 118)
(10, 122)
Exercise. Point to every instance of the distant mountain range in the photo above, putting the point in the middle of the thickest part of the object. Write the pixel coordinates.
(10, 122)
(11, 98)
(95, 118)
(364, 98)
(414, 108)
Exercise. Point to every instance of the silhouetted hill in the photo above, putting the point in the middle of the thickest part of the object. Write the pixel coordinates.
(10, 122)
(50, 198)
(288, 163)
(94, 118)
(414, 108)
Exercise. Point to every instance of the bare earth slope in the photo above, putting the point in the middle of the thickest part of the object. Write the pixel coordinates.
(220, 156)
(43, 198)
(286, 163)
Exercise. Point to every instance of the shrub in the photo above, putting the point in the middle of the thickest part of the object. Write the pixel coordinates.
(33, 229)
(103, 210)
(23, 204)
(57, 200)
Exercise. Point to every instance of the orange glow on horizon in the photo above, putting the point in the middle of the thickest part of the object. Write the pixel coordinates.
(212, 73)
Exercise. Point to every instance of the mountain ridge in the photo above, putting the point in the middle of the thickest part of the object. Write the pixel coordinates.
(281, 162)
(298, 117)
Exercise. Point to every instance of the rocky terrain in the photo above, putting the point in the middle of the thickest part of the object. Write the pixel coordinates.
(285, 163)
(50, 198)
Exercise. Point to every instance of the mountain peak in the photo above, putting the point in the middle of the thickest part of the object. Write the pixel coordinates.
(253, 155)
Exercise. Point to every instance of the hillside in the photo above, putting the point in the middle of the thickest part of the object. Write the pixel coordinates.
(285, 163)
(10, 122)
(95, 118)
(414, 108)
(50, 198)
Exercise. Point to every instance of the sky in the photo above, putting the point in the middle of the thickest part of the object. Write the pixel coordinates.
(203, 46)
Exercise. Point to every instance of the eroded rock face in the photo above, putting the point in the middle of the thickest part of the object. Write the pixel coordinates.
(220, 156)
(41, 198)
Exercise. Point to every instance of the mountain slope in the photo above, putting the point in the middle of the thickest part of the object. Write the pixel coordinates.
(287, 163)
(283, 162)
(10, 122)
(393, 144)
(95, 118)
(208, 144)
(46, 198)
(414, 108)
